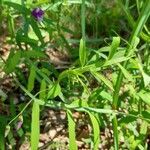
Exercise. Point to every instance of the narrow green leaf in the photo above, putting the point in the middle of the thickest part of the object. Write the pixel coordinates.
(101, 111)
(35, 126)
(39, 72)
(11, 25)
(106, 95)
(115, 44)
(27, 40)
(42, 94)
(127, 119)
(54, 91)
(79, 103)
(97, 56)
(31, 79)
(146, 114)
(100, 78)
(105, 49)
(19, 34)
(144, 127)
(100, 93)
(2, 133)
(33, 54)
(12, 61)
(141, 147)
(96, 130)
(119, 53)
(145, 96)
(17, 7)
(114, 61)
(135, 43)
(146, 77)
(127, 75)
(71, 130)
(36, 30)
(12, 107)
(82, 52)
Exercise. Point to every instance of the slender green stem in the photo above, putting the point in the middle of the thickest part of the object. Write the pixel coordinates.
(83, 19)
(20, 112)
(115, 130)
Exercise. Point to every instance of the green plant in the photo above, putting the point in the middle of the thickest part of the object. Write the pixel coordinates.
(107, 82)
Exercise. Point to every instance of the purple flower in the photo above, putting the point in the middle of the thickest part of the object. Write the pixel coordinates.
(19, 125)
(38, 14)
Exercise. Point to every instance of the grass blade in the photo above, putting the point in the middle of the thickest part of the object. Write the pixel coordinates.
(82, 52)
(12, 61)
(35, 126)
(125, 72)
(115, 130)
(34, 54)
(145, 96)
(96, 130)
(31, 79)
(36, 30)
(42, 94)
(72, 136)
(114, 46)
(100, 78)
(2, 132)
(54, 91)
(17, 7)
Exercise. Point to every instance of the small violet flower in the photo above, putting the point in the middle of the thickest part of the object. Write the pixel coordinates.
(38, 14)
(19, 125)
